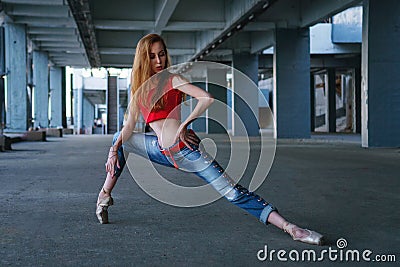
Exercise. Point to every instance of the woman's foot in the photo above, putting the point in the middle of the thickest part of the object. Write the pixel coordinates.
(103, 202)
(303, 235)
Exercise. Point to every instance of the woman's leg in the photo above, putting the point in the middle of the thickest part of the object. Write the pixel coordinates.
(110, 180)
(209, 170)
(145, 145)
(104, 199)
(108, 186)
(203, 165)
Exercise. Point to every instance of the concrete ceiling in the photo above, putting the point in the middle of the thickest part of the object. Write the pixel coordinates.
(50, 27)
(96, 33)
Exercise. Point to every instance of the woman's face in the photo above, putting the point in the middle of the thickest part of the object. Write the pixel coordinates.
(157, 57)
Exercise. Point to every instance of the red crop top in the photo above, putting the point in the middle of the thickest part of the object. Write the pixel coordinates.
(172, 100)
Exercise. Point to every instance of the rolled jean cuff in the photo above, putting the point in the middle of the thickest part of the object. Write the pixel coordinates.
(266, 212)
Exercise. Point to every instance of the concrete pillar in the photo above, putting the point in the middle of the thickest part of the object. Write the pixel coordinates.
(245, 101)
(112, 104)
(72, 118)
(217, 113)
(17, 99)
(77, 101)
(41, 92)
(199, 125)
(63, 98)
(2, 138)
(2, 106)
(30, 87)
(357, 99)
(292, 83)
(312, 102)
(78, 110)
(380, 74)
(2, 95)
(348, 84)
(331, 100)
(88, 116)
(56, 95)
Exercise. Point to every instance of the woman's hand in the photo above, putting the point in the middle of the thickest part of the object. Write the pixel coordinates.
(188, 137)
(112, 160)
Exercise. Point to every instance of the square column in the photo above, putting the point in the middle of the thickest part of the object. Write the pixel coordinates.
(380, 93)
(87, 116)
(217, 121)
(312, 102)
(331, 100)
(41, 88)
(357, 99)
(245, 99)
(112, 105)
(56, 94)
(77, 101)
(15, 59)
(2, 95)
(78, 110)
(292, 83)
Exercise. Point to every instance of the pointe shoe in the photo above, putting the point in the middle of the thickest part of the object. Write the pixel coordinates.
(313, 238)
(102, 209)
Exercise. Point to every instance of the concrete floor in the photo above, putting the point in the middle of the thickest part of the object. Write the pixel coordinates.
(49, 190)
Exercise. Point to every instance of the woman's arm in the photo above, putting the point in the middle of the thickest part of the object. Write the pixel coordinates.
(125, 134)
(204, 98)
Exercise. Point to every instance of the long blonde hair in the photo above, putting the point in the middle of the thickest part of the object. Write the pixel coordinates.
(142, 71)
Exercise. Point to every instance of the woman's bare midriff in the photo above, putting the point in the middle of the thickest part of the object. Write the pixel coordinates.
(166, 130)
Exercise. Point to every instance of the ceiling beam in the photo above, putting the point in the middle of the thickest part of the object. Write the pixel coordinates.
(57, 38)
(181, 51)
(246, 12)
(194, 26)
(132, 25)
(317, 61)
(81, 11)
(313, 12)
(261, 41)
(166, 10)
(68, 50)
(55, 42)
(50, 31)
(127, 25)
(61, 55)
(73, 64)
(131, 51)
(259, 26)
(48, 44)
(46, 22)
(39, 11)
(116, 51)
(117, 65)
(35, 2)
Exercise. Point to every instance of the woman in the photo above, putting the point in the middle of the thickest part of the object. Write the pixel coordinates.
(159, 102)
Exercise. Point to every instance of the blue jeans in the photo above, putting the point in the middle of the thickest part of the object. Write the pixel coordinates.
(201, 164)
